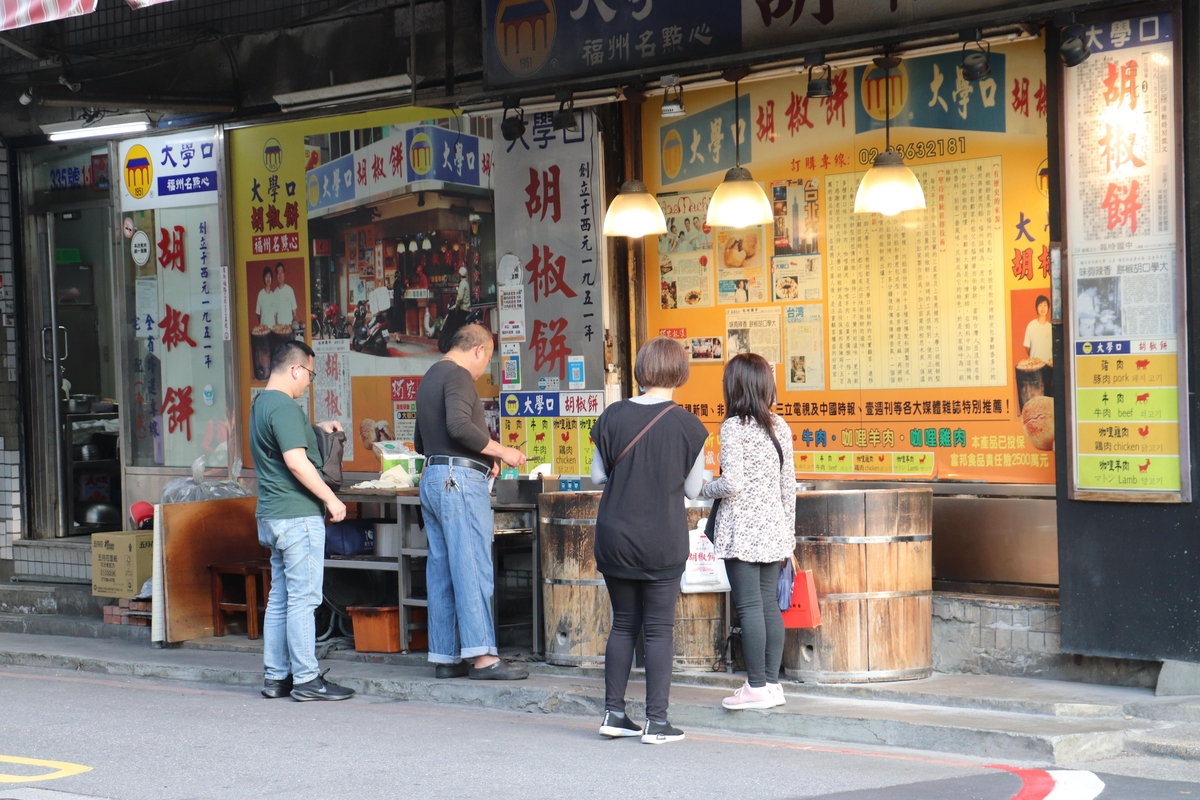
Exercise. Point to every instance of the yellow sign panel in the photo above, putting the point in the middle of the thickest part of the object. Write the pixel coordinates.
(586, 446)
(138, 171)
(512, 433)
(538, 434)
(1121, 438)
(1161, 369)
(566, 445)
(913, 463)
(1133, 404)
(833, 462)
(873, 462)
(1142, 473)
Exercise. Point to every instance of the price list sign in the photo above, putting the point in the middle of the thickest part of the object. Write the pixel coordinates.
(1128, 428)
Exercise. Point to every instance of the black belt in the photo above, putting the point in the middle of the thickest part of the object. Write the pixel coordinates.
(455, 461)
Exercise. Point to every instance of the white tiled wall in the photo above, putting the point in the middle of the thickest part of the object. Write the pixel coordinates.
(68, 560)
(10, 457)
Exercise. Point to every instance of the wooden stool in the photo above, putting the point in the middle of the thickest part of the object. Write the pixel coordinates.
(251, 572)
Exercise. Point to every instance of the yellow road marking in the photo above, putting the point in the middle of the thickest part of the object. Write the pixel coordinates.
(61, 769)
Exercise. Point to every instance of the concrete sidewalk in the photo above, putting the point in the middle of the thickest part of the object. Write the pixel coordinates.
(1011, 719)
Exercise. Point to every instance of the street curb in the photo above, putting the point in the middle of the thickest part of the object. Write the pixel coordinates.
(949, 736)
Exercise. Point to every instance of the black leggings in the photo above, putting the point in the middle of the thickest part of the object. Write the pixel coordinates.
(641, 605)
(753, 588)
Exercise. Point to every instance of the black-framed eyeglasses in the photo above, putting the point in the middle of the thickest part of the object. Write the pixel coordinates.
(312, 375)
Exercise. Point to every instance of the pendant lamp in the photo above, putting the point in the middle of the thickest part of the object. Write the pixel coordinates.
(739, 202)
(889, 187)
(634, 212)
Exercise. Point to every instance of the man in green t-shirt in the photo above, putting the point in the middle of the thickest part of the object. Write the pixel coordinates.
(292, 503)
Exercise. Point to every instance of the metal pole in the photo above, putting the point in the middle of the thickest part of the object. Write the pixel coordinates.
(412, 50)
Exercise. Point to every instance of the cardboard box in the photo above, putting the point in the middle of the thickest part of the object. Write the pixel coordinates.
(122, 561)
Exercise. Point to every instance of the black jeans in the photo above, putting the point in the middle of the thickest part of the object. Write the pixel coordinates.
(637, 606)
(753, 589)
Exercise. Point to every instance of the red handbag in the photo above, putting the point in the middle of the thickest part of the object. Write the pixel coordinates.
(804, 611)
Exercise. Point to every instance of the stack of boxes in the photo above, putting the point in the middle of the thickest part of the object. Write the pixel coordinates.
(128, 612)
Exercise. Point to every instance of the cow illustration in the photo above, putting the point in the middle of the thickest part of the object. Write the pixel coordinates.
(1143, 398)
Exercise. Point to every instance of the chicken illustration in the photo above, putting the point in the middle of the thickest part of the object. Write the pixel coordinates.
(1144, 431)
(566, 437)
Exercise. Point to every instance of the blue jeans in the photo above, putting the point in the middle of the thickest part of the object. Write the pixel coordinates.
(458, 572)
(297, 573)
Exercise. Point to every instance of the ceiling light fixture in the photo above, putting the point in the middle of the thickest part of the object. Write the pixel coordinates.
(564, 118)
(821, 86)
(103, 127)
(673, 97)
(360, 91)
(1073, 51)
(512, 128)
(977, 64)
(634, 212)
(889, 187)
(739, 201)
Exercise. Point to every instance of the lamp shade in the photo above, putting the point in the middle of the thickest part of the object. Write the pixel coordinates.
(888, 188)
(739, 202)
(634, 212)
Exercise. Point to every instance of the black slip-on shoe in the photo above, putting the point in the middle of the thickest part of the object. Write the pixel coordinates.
(320, 689)
(459, 670)
(661, 733)
(618, 727)
(500, 671)
(273, 689)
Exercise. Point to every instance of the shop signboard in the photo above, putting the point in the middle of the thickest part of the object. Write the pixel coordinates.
(546, 41)
(905, 347)
(369, 290)
(551, 305)
(172, 247)
(1128, 398)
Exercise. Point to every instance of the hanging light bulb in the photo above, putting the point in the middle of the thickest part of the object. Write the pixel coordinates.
(889, 187)
(634, 212)
(739, 201)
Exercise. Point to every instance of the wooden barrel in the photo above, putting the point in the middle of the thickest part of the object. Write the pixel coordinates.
(871, 555)
(575, 603)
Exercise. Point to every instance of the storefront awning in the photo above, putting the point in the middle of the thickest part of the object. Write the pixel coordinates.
(19, 13)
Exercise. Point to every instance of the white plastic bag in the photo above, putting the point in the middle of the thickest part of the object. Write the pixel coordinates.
(704, 571)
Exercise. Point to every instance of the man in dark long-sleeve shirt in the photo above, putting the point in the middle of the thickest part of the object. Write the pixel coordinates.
(459, 457)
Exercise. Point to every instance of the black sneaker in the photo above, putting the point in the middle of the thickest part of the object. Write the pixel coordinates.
(500, 671)
(661, 733)
(273, 689)
(459, 670)
(320, 689)
(615, 727)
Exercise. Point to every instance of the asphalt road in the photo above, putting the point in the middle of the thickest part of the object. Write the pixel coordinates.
(160, 740)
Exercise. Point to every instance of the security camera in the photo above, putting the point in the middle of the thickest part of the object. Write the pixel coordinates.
(26, 97)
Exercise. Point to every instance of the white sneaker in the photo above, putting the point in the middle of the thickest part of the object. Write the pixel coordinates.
(776, 690)
(749, 697)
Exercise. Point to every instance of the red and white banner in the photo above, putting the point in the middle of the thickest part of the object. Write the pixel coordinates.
(19, 13)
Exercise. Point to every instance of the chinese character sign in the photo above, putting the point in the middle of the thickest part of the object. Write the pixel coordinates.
(554, 233)
(1121, 209)
(173, 171)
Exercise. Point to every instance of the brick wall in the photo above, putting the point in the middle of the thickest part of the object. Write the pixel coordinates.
(10, 414)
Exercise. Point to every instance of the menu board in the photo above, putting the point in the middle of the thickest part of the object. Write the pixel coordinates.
(911, 347)
(1129, 430)
(918, 302)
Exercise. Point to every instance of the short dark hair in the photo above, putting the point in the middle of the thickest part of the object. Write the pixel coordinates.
(468, 337)
(268, 273)
(289, 354)
(749, 390)
(1041, 298)
(662, 363)
(279, 265)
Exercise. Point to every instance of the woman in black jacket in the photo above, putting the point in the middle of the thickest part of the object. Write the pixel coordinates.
(649, 455)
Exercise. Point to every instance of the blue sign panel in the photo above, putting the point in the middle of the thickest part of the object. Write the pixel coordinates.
(702, 143)
(437, 154)
(930, 92)
(539, 40)
(330, 184)
(187, 184)
(1110, 38)
(1102, 348)
(529, 404)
